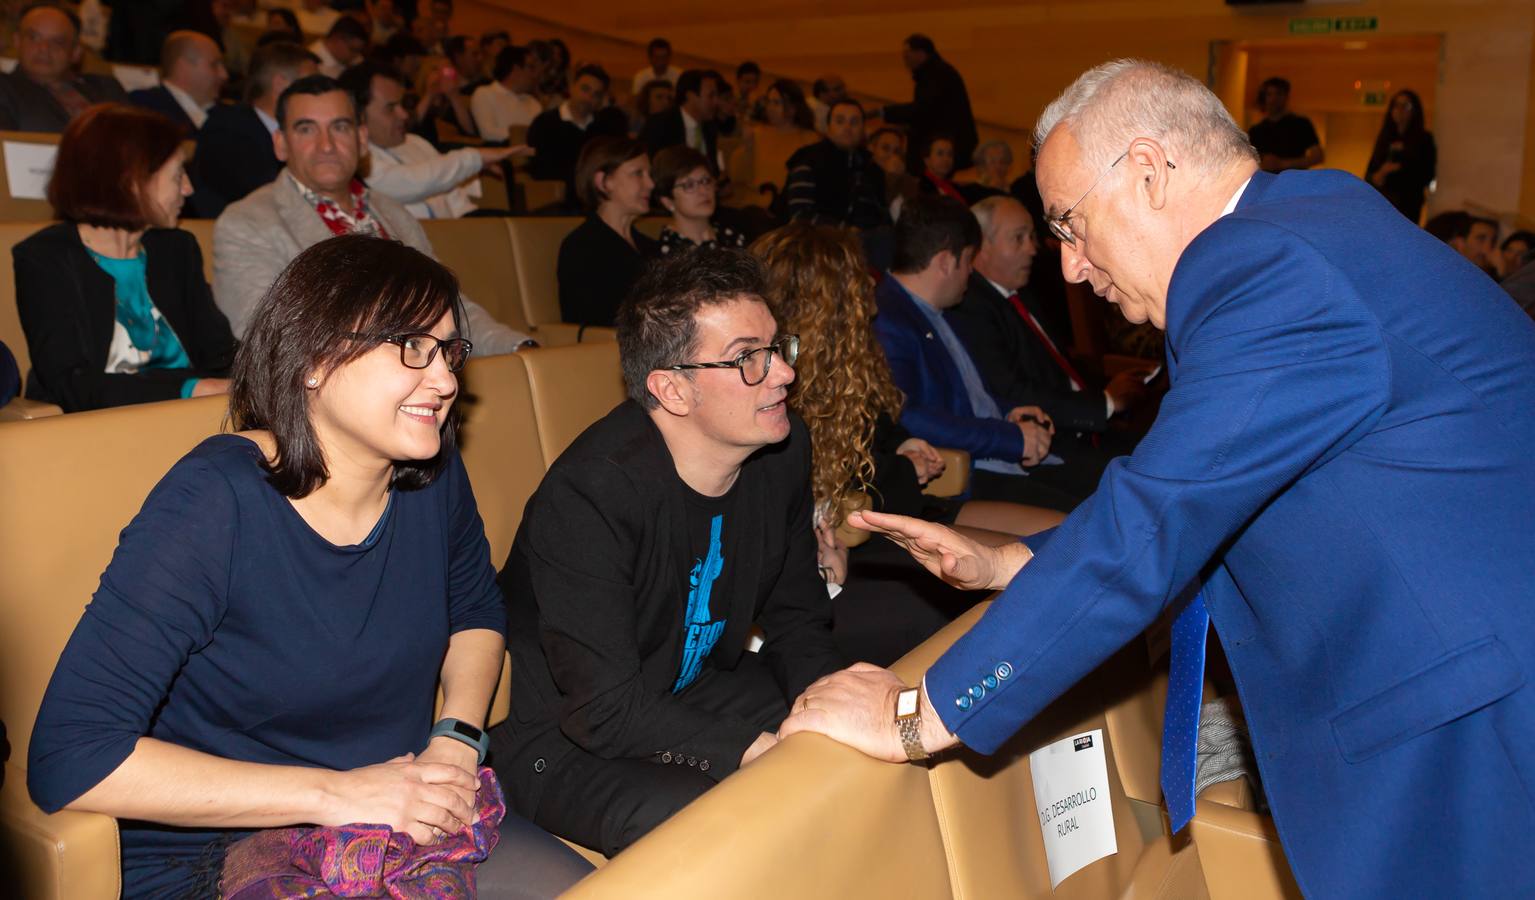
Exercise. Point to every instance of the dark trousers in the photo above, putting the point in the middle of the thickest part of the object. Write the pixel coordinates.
(1021, 489)
(608, 804)
(890, 604)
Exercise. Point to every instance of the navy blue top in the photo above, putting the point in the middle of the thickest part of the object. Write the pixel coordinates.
(224, 623)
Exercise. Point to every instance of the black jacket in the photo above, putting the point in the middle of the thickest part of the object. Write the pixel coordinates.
(234, 157)
(940, 105)
(666, 129)
(1016, 364)
(596, 268)
(26, 105)
(559, 143)
(68, 305)
(596, 593)
(159, 99)
(831, 186)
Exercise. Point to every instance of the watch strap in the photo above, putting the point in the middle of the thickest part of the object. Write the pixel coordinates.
(463, 732)
(910, 729)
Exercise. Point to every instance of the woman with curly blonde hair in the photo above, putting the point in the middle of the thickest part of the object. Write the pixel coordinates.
(820, 289)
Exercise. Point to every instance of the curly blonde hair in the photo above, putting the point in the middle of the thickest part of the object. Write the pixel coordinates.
(819, 288)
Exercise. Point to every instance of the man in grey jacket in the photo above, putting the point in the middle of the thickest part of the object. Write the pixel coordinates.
(316, 197)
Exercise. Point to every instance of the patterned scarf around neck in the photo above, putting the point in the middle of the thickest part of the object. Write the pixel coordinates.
(358, 220)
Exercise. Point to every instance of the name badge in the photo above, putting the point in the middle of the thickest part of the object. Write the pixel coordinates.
(1071, 793)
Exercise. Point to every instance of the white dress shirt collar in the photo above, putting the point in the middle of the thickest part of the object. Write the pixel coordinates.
(194, 110)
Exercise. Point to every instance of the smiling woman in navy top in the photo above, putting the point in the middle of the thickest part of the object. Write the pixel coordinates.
(266, 644)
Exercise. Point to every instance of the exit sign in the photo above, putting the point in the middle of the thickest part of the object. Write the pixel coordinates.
(1334, 25)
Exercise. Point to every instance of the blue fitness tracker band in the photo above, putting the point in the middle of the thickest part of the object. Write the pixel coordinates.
(460, 730)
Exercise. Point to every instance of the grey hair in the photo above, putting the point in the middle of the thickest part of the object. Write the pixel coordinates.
(981, 151)
(985, 212)
(1111, 105)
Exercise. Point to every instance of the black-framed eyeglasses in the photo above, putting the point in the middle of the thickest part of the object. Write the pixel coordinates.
(1060, 225)
(417, 350)
(753, 365)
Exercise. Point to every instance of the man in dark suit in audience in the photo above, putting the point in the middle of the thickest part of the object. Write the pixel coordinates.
(940, 104)
(1002, 328)
(558, 134)
(691, 121)
(191, 75)
(44, 92)
(234, 147)
(836, 181)
(653, 546)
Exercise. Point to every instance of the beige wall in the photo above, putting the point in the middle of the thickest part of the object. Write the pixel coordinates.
(1017, 54)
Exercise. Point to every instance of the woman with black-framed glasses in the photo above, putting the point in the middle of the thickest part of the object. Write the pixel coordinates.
(268, 639)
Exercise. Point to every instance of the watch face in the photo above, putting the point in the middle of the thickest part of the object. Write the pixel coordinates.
(906, 702)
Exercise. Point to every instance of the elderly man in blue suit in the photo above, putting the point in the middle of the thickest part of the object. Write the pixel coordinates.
(1341, 477)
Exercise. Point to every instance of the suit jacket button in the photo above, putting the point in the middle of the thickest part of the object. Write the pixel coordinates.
(963, 701)
(989, 682)
(692, 760)
(703, 765)
(539, 765)
(977, 692)
(666, 757)
(1004, 671)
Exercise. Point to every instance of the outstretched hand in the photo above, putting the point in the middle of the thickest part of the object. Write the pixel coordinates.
(953, 557)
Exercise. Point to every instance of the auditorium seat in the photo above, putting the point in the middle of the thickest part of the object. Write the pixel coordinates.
(202, 229)
(11, 334)
(500, 445)
(572, 387)
(25, 209)
(479, 252)
(536, 253)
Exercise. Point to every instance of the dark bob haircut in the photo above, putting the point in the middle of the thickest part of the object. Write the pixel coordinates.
(604, 154)
(106, 157)
(311, 86)
(657, 323)
(674, 164)
(352, 283)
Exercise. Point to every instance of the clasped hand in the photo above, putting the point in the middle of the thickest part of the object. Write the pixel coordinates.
(428, 797)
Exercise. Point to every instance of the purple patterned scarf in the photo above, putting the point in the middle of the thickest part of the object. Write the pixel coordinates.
(363, 860)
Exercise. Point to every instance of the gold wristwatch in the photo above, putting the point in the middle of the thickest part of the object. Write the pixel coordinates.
(908, 721)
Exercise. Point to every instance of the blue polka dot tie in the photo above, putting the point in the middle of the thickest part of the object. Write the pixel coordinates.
(1180, 724)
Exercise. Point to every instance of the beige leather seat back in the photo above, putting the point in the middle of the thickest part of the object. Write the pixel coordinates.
(202, 229)
(11, 234)
(986, 803)
(479, 251)
(500, 447)
(572, 387)
(536, 253)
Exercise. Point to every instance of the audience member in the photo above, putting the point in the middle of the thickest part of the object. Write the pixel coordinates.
(317, 196)
(556, 80)
(216, 19)
(937, 166)
(824, 92)
(604, 255)
(112, 298)
(835, 181)
(940, 104)
(1284, 140)
(508, 101)
(685, 187)
(403, 166)
(493, 42)
(10, 381)
(442, 112)
(947, 401)
(387, 21)
(1402, 164)
(45, 92)
(1473, 237)
(283, 20)
(442, 14)
(888, 147)
(821, 290)
(402, 53)
(993, 161)
(1003, 329)
(344, 45)
(558, 134)
(691, 123)
(1338, 379)
(787, 125)
(286, 577)
(430, 31)
(234, 147)
(1520, 282)
(1512, 251)
(655, 97)
(659, 53)
(636, 699)
(192, 74)
(748, 78)
(463, 52)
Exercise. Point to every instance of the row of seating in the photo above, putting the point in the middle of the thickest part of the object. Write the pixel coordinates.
(811, 818)
(506, 264)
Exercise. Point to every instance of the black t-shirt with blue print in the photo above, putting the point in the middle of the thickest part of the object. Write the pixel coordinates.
(708, 581)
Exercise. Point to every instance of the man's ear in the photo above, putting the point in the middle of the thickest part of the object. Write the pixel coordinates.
(1150, 166)
(673, 390)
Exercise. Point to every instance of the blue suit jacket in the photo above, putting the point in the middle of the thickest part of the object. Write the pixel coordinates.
(160, 100)
(937, 408)
(1345, 459)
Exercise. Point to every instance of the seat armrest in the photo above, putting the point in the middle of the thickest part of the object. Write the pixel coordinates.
(64, 856)
(22, 409)
(563, 334)
(1240, 854)
(1168, 869)
(955, 479)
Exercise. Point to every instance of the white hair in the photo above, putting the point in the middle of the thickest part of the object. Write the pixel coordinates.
(985, 212)
(981, 151)
(1111, 105)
